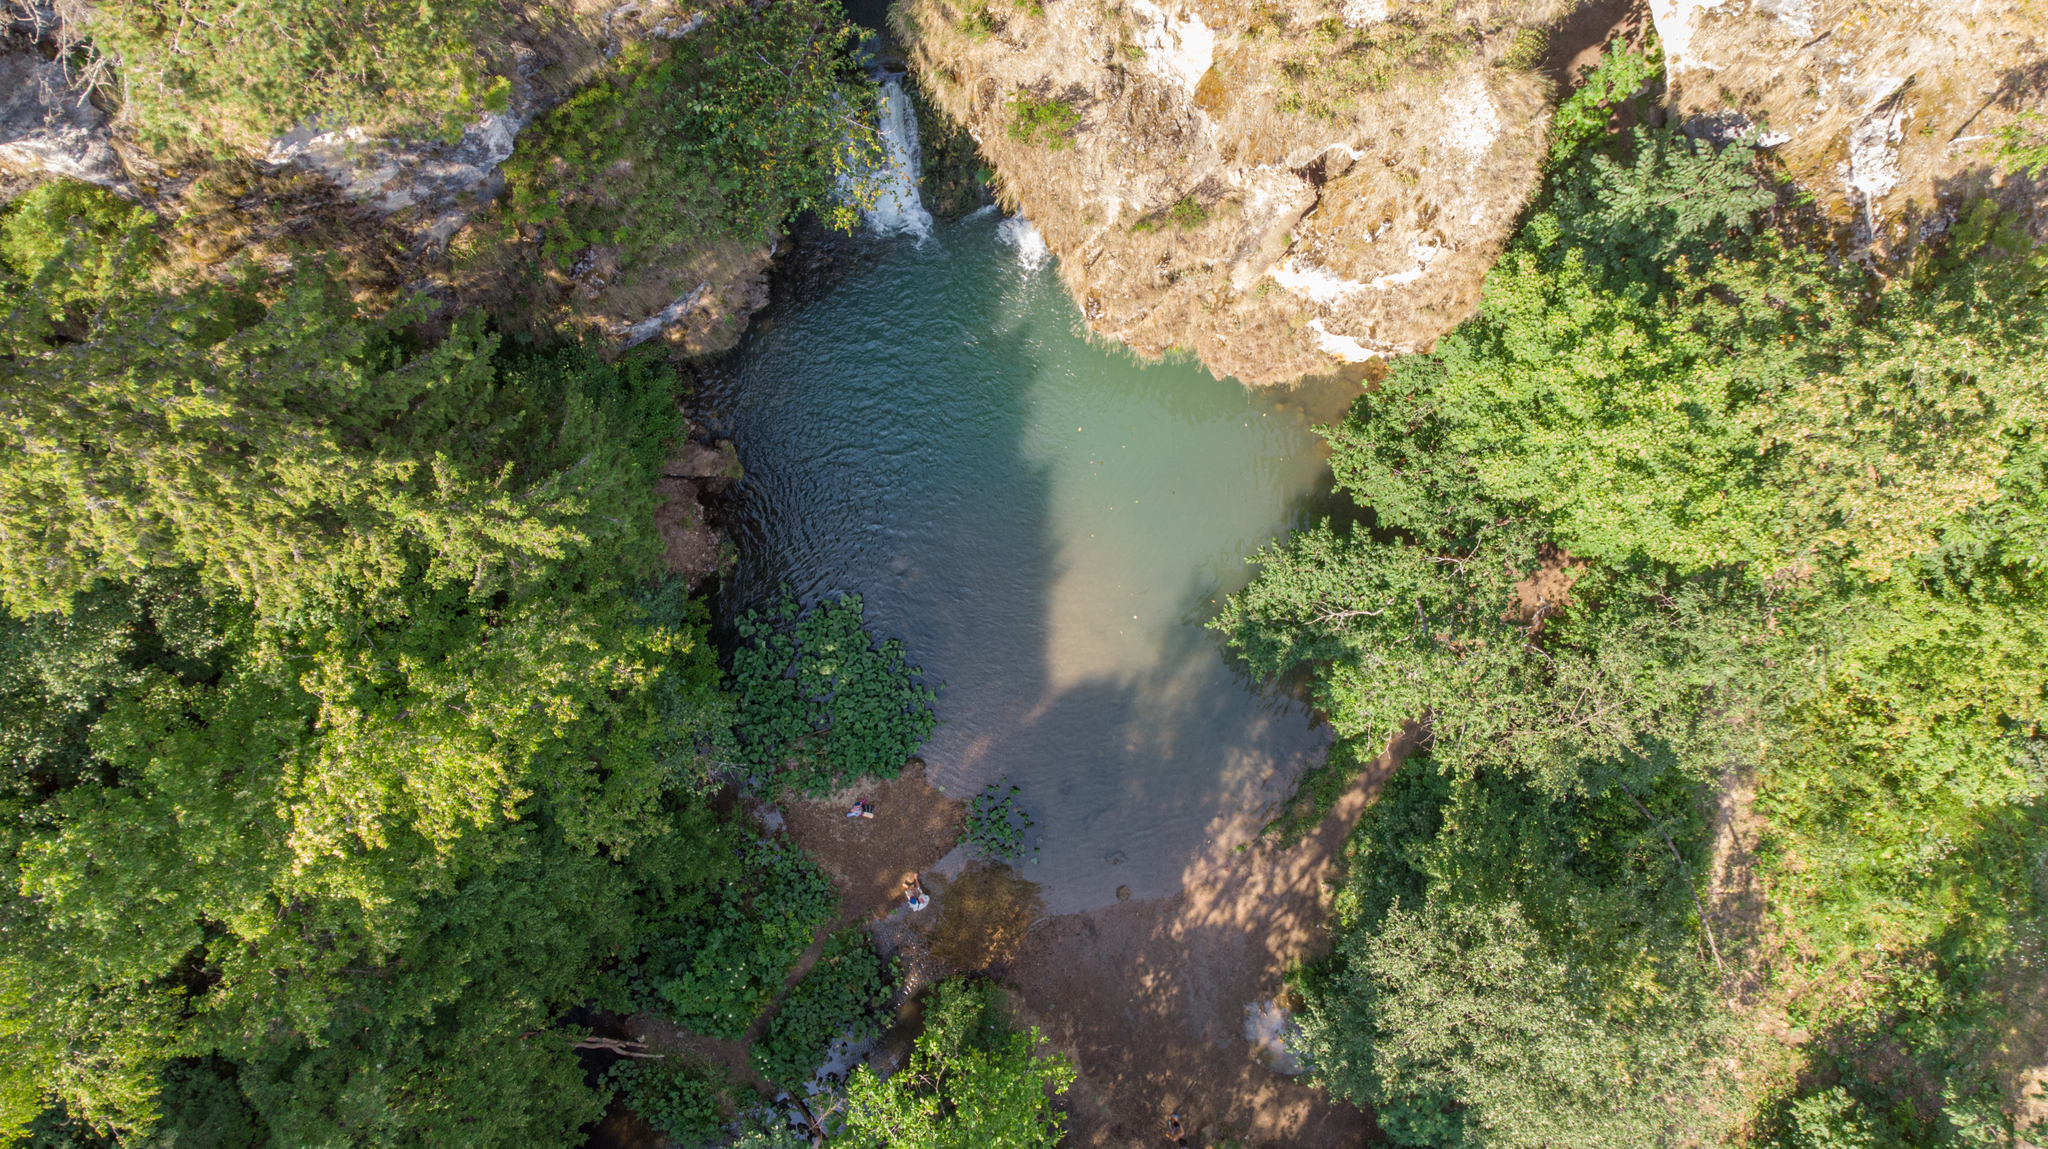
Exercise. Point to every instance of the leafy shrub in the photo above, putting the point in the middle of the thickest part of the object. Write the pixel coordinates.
(319, 490)
(1188, 212)
(970, 1081)
(2023, 144)
(717, 968)
(1616, 78)
(819, 702)
(77, 243)
(1185, 213)
(759, 114)
(1811, 505)
(1051, 118)
(675, 1096)
(978, 25)
(992, 829)
(676, 165)
(1334, 67)
(842, 996)
(1527, 50)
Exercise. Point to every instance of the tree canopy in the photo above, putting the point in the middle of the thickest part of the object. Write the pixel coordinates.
(1690, 511)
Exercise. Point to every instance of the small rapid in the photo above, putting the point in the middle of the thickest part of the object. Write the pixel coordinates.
(898, 209)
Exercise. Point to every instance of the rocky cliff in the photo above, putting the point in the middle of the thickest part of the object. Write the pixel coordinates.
(1279, 188)
(1886, 110)
(1283, 187)
(387, 202)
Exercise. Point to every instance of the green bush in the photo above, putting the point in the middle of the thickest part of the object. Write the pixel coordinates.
(1808, 508)
(679, 1098)
(970, 1081)
(841, 997)
(977, 25)
(762, 113)
(715, 968)
(995, 825)
(66, 245)
(820, 704)
(1582, 117)
(223, 74)
(1050, 119)
(388, 459)
(1188, 212)
(1333, 70)
(2023, 144)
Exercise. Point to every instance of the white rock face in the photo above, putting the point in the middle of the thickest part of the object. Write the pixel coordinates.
(1675, 21)
(1474, 124)
(1359, 13)
(393, 175)
(1888, 113)
(46, 127)
(1178, 47)
(1233, 188)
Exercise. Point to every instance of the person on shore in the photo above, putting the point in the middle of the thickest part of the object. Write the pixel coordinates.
(862, 809)
(915, 896)
(1175, 1130)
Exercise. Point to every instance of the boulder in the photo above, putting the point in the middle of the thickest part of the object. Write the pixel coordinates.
(47, 125)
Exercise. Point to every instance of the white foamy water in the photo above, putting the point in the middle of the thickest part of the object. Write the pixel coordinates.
(898, 210)
(1019, 233)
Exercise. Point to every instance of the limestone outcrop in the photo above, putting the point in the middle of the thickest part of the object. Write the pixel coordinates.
(1280, 187)
(48, 126)
(1888, 113)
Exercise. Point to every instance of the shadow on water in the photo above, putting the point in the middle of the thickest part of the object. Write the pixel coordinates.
(1047, 525)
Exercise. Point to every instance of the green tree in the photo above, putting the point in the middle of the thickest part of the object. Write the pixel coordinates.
(970, 1082)
(714, 137)
(204, 876)
(1685, 498)
(345, 746)
(295, 451)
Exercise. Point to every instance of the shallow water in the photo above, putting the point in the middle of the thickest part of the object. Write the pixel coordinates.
(1047, 524)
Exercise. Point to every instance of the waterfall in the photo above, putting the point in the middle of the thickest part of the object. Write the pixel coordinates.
(898, 209)
(1022, 234)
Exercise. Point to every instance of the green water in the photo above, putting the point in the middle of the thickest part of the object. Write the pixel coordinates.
(1047, 524)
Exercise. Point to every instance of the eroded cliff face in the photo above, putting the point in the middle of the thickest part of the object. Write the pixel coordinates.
(1888, 112)
(1279, 188)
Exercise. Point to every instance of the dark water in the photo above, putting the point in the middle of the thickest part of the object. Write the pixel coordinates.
(1047, 524)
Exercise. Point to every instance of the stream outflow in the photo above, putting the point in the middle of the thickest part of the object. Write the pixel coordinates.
(1046, 523)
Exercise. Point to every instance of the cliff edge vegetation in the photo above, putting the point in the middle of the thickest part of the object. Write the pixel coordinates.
(1712, 565)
